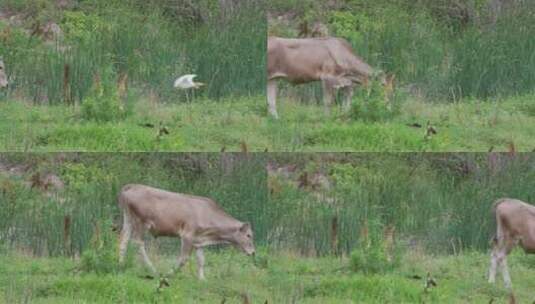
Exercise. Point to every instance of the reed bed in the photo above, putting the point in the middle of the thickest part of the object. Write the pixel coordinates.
(437, 202)
(111, 39)
(433, 48)
(67, 221)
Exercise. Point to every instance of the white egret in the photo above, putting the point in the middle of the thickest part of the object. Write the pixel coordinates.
(186, 82)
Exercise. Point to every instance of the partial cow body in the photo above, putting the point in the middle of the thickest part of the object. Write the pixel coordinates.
(329, 60)
(3, 76)
(197, 221)
(515, 225)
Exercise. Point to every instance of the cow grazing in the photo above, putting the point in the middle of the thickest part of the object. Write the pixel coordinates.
(326, 59)
(197, 221)
(3, 76)
(515, 225)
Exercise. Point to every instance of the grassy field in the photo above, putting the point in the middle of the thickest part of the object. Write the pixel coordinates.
(279, 278)
(205, 125)
(477, 93)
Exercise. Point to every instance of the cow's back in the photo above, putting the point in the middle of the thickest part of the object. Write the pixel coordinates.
(299, 60)
(308, 59)
(169, 213)
(515, 215)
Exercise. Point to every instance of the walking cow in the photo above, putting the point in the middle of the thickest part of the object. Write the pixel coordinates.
(197, 221)
(515, 225)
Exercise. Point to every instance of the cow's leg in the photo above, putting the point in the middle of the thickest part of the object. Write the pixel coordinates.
(505, 273)
(126, 232)
(348, 97)
(143, 253)
(328, 95)
(138, 231)
(509, 243)
(185, 252)
(272, 97)
(493, 264)
(200, 262)
(498, 251)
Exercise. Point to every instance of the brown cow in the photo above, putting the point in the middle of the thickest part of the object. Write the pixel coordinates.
(515, 225)
(3, 77)
(327, 59)
(197, 221)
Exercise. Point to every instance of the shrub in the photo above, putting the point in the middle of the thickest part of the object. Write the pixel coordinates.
(102, 255)
(103, 104)
(375, 256)
(371, 105)
(104, 108)
(373, 259)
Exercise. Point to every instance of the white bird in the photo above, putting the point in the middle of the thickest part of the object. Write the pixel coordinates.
(186, 82)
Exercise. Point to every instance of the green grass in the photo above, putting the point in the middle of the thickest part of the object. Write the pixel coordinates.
(281, 278)
(205, 125)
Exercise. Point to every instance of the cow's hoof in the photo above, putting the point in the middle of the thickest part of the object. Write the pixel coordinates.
(163, 283)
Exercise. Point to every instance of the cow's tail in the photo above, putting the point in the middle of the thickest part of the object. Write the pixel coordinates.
(121, 198)
(499, 230)
(122, 201)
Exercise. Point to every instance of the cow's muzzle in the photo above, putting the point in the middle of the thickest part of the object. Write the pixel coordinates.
(250, 252)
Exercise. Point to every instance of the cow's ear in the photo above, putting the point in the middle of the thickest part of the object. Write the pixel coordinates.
(245, 227)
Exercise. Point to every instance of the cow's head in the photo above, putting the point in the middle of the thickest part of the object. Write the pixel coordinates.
(243, 238)
(387, 80)
(3, 76)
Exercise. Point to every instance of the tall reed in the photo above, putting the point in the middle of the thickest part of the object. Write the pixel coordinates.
(35, 222)
(153, 49)
(439, 202)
